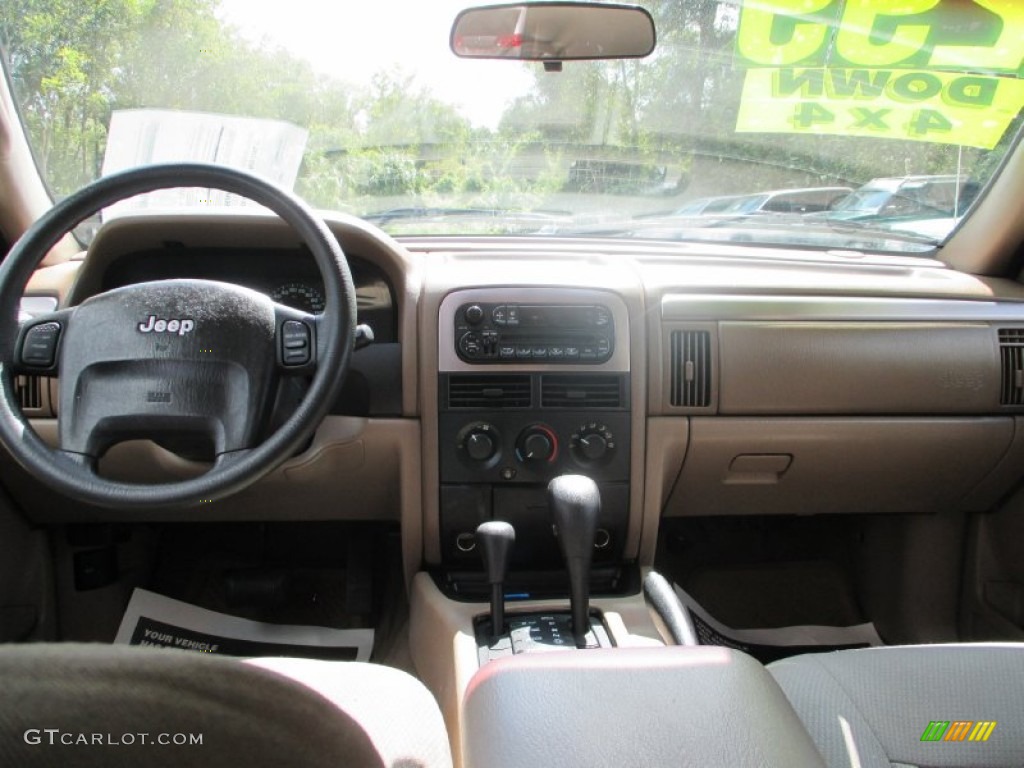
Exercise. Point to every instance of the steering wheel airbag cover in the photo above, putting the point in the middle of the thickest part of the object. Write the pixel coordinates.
(183, 355)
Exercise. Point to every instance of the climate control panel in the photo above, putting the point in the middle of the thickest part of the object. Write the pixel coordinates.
(507, 448)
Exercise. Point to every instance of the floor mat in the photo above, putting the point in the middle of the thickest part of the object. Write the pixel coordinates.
(155, 620)
(773, 643)
(777, 594)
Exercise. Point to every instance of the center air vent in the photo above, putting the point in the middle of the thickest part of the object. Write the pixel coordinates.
(488, 391)
(691, 369)
(581, 391)
(1011, 351)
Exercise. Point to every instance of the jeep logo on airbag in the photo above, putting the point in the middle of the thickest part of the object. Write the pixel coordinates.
(180, 326)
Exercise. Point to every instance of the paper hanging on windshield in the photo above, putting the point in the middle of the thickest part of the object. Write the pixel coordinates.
(155, 620)
(272, 149)
(943, 72)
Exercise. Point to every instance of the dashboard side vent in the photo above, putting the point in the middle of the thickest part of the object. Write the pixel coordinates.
(581, 391)
(691, 369)
(1011, 352)
(30, 391)
(488, 391)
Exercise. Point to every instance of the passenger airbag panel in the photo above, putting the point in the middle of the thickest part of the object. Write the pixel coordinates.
(858, 368)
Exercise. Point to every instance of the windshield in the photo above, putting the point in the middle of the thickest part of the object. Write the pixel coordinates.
(749, 117)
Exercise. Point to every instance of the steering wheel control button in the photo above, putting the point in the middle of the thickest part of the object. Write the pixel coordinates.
(39, 349)
(296, 343)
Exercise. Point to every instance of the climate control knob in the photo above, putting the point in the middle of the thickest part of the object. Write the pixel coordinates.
(592, 447)
(479, 442)
(592, 443)
(479, 446)
(537, 444)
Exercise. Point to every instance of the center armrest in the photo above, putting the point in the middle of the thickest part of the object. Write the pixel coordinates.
(673, 706)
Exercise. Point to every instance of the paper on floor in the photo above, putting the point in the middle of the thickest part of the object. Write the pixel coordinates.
(153, 619)
(769, 644)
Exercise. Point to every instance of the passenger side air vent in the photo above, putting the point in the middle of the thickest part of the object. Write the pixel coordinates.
(1011, 350)
(29, 390)
(488, 391)
(691, 369)
(581, 391)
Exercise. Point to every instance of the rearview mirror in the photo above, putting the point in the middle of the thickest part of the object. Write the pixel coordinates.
(553, 31)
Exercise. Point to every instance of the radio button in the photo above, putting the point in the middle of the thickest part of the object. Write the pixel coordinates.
(513, 314)
(540, 352)
(572, 352)
(474, 314)
(500, 315)
(470, 345)
(507, 351)
(604, 347)
(524, 353)
(556, 352)
(588, 353)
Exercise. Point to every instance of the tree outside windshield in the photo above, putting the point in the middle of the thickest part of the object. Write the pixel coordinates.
(597, 148)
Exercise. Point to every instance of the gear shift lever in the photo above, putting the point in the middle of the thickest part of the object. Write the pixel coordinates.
(575, 503)
(496, 539)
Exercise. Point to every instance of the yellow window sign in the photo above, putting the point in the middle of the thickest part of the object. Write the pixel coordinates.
(942, 71)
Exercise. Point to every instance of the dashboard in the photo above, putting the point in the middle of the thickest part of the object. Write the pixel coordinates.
(687, 380)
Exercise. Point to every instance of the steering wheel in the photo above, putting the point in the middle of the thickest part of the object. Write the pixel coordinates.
(171, 358)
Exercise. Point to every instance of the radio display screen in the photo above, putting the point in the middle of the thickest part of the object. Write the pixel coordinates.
(560, 317)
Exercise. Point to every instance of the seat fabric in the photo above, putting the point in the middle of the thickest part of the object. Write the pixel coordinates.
(871, 707)
(81, 705)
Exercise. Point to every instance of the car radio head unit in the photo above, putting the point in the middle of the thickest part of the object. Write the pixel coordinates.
(551, 333)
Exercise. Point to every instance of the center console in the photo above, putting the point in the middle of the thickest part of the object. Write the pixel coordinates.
(533, 384)
(535, 546)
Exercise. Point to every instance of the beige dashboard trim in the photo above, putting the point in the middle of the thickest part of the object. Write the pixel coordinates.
(361, 469)
(677, 306)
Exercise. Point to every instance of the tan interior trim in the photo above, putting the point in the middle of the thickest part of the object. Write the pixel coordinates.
(667, 441)
(444, 650)
(354, 469)
(23, 196)
(989, 237)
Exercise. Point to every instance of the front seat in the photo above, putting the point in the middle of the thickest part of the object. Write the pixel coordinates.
(933, 705)
(96, 705)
